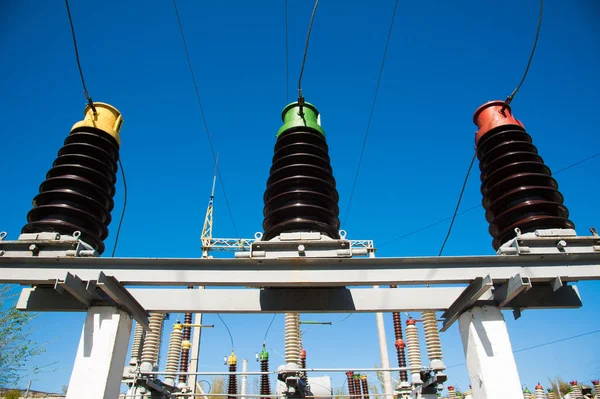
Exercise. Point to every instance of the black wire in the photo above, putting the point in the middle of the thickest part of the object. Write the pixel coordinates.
(477, 206)
(364, 145)
(227, 328)
(187, 56)
(124, 208)
(343, 320)
(85, 92)
(268, 328)
(537, 35)
(462, 191)
(287, 56)
(541, 345)
(312, 18)
(209, 386)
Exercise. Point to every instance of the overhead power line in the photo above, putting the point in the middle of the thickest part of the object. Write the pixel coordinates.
(228, 331)
(208, 136)
(124, 208)
(300, 95)
(477, 206)
(287, 55)
(537, 35)
(364, 145)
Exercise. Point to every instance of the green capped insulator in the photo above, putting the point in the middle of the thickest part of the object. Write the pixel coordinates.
(292, 118)
(264, 355)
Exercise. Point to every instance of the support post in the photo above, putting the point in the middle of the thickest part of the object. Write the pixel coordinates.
(385, 360)
(489, 355)
(98, 367)
(195, 350)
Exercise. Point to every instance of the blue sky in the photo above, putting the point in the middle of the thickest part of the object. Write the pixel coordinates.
(445, 59)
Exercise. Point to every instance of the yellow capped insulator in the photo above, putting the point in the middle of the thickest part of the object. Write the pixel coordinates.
(232, 359)
(363, 377)
(107, 118)
(177, 327)
(186, 344)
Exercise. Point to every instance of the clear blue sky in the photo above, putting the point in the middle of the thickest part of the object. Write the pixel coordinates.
(445, 59)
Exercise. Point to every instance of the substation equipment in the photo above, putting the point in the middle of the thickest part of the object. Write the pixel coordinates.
(301, 263)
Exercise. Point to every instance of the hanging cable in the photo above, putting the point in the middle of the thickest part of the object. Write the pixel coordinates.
(478, 206)
(85, 92)
(537, 35)
(268, 328)
(287, 55)
(300, 96)
(227, 328)
(364, 145)
(210, 144)
(462, 191)
(124, 208)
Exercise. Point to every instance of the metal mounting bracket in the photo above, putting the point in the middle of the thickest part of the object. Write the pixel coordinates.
(119, 294)
(467, 299)
(508, 291)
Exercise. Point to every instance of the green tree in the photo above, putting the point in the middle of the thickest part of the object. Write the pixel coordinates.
(218, 387)
(16, 347)
(341, 393)
(13, 394)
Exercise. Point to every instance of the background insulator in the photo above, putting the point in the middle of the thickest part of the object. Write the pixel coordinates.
(232, 386)
(185, 350)
(265, 384)
(301, 192)
(400, 345)
(151, 348)
(356, 382)
(78, 190)
(365, 386)
(350, 376)
(518, 188)
(303, 365)
(173, 354)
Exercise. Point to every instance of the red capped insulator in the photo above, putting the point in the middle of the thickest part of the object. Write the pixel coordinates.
(518, 188)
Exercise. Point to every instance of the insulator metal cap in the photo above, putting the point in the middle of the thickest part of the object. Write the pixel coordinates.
(411, 322)
(491, 115)
(303, 354)
(107, 118)
(400, 344)
(451, 388)
(177, 327)
(363, 377)
(349, 374)
(232, 359)
(538, 386)
(573, 383)
(291, 117)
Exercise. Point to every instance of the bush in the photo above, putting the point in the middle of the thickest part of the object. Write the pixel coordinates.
(13, 394)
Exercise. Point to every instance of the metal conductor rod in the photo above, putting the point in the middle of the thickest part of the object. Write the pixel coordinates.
(212, 192)
(300, 95)
(198, 325)
(317, 370)
(184, 395)
(328, 323)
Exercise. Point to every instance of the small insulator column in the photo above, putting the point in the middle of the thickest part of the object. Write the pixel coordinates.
(244, 388)
(365, 386)
(576, 390)
(351, 391)
(232, 384)
(539, 392)
(138, 342)
(186, 345)
(173, 354)
(414, 351)
(518, 188)
(303, 365)
(265, 384)
(596, 385)
(400, 345)
(292, 338)
(451, 393)
(151, 348)
(301, 194)
(526, 393)
(551, 394)
(77, 195)
(432, 341)
(356, 382)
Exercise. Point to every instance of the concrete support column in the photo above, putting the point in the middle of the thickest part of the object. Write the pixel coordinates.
(385, 360)
(490, 360)
(98, 367)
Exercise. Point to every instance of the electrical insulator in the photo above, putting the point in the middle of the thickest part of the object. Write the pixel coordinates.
(596, 385)
(186, 345)
(414, 351)
(518, 188)
(350, 377)
(265, 384)
(432, 341)
(232, 385)
(451, 393)
(526, 394)
(539, 392)
(365, 386)
(138, 342)
(77, 194)
(356, 382)
(303, 365)
(301, 193)
(173, 354)
(399, 343)
(151, 348)
(292, 338)
(575, 390)
(551, 393)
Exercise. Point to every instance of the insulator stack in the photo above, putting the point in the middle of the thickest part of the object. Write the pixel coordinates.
(518, 188)
(185, 348)
(232, 389)
(551, 394)
(265, 384)
(292, 338)
(151, 348)
(303, 365)
(138, 342)
(400, 345)
(576, 390)
(77, 194)
(356, 383)
(244, 387)
(596, 385)
(539, 392)
(451, 393)
(526, 394)
(365, 386)
(301, 194)
(351, 391)
(173, 354)
(414, 351)
(432, 341)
